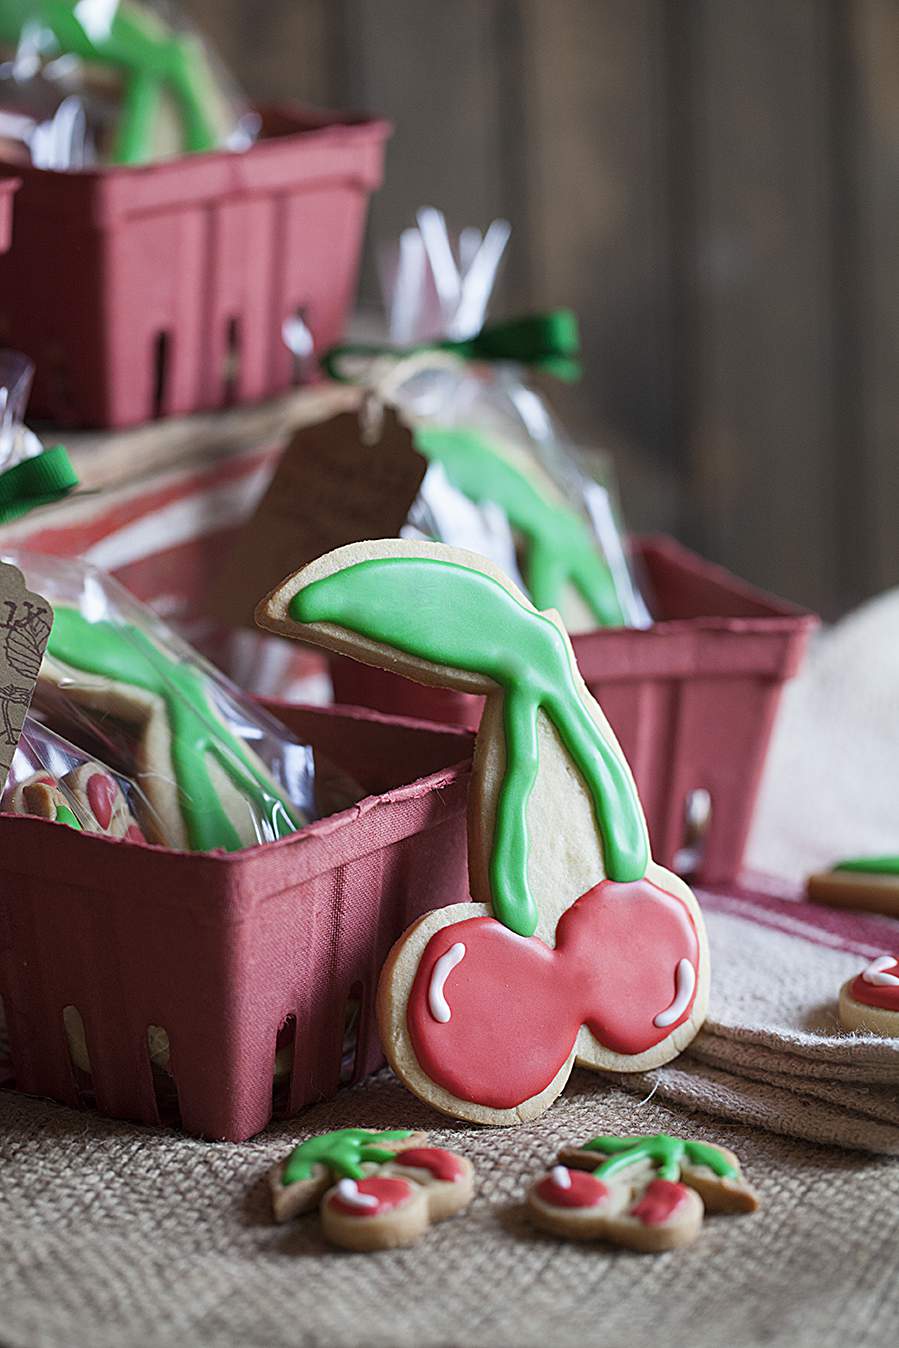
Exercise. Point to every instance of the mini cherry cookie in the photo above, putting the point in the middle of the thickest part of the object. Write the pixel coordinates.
(100, 804)
(41, 796)
(103, 802)
(375, 1191)
(868, 883)
(649, 1194)
(578, 947)
(870, 1002)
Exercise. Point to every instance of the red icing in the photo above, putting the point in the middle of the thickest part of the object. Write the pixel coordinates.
(516, 1004)
(586, 1191)
(883, 995)
(443, 1165)
(101, 796)
(134, 834)
(390, 1193)
(661, 1200)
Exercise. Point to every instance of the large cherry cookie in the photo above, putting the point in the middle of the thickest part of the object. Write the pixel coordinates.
(648, 1193)
(578, 947)
(374, 1190)
(869, 1003)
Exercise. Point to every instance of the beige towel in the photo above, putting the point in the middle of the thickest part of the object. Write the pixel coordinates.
(772, 1051)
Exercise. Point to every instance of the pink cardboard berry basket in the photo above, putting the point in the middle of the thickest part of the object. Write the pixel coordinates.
(164, 289)
(8, 189)
(692, 700)
(237, 957)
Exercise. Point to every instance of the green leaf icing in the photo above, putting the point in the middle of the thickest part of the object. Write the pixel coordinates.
(560, 547)
(871, 865)
(65, 816)
(343, 1152)
(127, 655)
(666, 1153)
(453, 615)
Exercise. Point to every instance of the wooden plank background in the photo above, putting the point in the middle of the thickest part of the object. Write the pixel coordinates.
(713, 185)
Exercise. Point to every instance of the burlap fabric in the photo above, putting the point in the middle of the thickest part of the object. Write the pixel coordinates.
(119, 1237)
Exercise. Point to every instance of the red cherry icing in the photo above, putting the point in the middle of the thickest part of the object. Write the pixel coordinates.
(443, 1165)
(390, 1193)
(661, 1200)
(885, 995)
(583, 1191)
(516, 1004)
(101, 796)
(134, 834)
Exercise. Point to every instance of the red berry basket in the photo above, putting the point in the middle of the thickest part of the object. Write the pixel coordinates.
(159, 290)
(8, 189)
(235, 956)
(692, 700)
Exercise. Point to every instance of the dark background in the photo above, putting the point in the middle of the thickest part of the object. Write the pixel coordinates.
(712, 184)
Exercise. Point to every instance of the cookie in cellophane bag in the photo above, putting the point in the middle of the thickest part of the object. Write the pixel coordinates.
(112, 82)
(216, 771)
(51, 778)
(503, 479)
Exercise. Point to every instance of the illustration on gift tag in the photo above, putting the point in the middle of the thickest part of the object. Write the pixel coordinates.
(25, 624)
(578, 946)
(374, 1190)
(648, 1193)
(869, 1003)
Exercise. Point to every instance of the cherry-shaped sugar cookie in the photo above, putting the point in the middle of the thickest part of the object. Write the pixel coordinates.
(869, 1002)
(41, 796)
(299, 1182)
(375, 1191)
(88, 798)
(868, 883)
(648, 1193)
(578, 946)
(206, 787)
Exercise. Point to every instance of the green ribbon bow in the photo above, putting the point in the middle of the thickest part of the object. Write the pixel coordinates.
(36, 482)
(549, 342)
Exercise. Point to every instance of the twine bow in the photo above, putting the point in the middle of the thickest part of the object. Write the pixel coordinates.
(546, 341)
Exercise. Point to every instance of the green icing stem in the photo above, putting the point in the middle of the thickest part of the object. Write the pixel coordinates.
(560, 547)
(343, 1152)
(666, 1153)
(871, 865)
(452, 615)
(65, 816)
(126, 655)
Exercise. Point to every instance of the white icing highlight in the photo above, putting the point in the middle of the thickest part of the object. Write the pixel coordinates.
(560, 1177)
(437, 1003)
(348, 1192)
(876, 972)
(684, 987)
